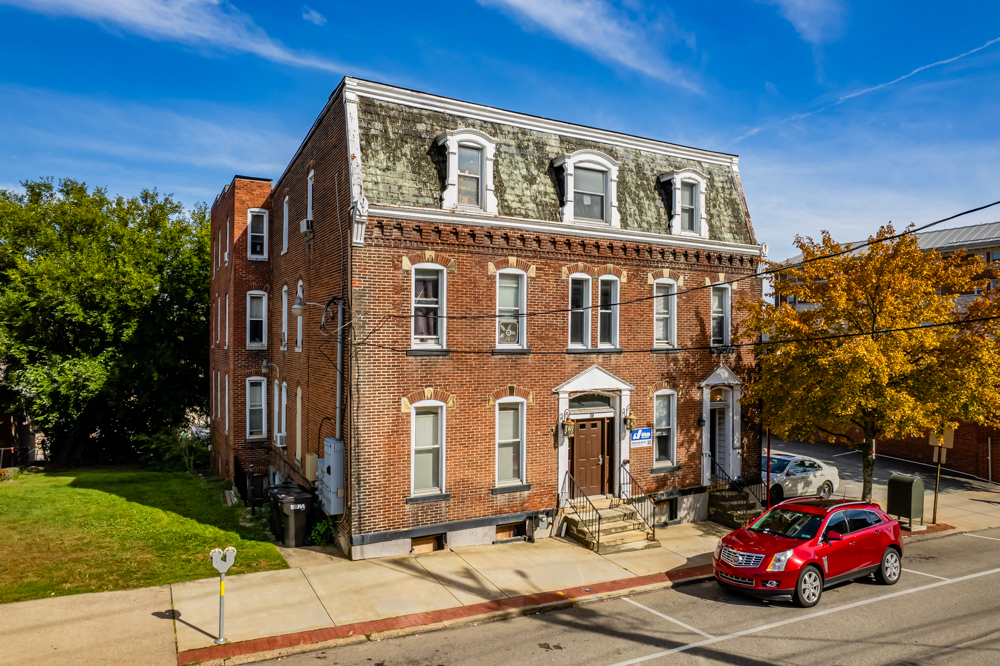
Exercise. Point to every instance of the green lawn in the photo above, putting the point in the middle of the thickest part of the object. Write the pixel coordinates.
(94, 530)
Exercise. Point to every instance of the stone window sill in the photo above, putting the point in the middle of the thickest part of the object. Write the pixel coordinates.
(428, 352)
(664, 469)
(521, 487)
(420, 499)
(594, 350)
(511, 351)
(664, 350)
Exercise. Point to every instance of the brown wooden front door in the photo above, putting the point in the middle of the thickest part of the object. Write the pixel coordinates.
(588, 456)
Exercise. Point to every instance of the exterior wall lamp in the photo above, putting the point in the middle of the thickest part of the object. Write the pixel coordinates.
(630, 420)
(701, 421)
(568, 426)
(299, 306)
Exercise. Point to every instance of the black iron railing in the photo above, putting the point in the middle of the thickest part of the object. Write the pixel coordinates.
(741, 507)
(752, 479)
(634, 496)
(590, 518)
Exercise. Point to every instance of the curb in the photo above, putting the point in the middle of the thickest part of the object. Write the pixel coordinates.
(259, 649)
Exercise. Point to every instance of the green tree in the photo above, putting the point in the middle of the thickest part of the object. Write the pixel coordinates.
(871, 383)
(103, 314)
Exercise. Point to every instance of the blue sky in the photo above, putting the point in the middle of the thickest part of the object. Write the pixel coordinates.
(845, 114)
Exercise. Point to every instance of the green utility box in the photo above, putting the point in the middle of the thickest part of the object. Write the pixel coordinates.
(906, 498)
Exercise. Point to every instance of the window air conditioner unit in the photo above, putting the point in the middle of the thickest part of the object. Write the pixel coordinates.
(306, 225)
(280, 441)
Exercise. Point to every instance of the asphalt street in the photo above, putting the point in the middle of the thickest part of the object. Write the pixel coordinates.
(943, 611)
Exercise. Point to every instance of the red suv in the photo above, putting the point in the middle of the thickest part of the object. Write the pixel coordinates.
(803, 545)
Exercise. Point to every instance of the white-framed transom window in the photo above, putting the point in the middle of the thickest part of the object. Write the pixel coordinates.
(256, 320)
(721, 308)
(590, 187)
(257, 233)
(429, 306)
(256, 408)
(469, 184)
(510, 420)
(685, 193)
(664, 427)
(428, 447)
(664, 313)
(511, 300)
(579, 310)
(607, 312)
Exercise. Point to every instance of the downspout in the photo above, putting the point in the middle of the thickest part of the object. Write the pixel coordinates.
(340, 363)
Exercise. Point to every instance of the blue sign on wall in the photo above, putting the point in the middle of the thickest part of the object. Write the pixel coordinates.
(642, 437)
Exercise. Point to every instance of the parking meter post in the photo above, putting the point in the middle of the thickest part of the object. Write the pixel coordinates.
(222, 610)
(222, 560)
(937, 485)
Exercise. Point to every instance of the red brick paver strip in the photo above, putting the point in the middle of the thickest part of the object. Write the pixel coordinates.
(434, 617)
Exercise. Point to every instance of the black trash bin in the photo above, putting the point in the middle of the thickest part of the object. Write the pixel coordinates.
(905, 498)
(274, 516)
(295, 505)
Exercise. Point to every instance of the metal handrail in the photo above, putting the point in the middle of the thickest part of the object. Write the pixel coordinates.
(752, 480)
(574, 497)
(638, 499)
(722, 481)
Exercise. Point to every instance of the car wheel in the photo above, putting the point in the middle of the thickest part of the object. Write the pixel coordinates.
(809, 588)
(777, 494)
(825, 490)
(888, 573)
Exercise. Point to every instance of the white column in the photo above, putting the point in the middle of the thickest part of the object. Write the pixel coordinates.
(623, 448)
(737, 436)
(706, 444)
(563, 460)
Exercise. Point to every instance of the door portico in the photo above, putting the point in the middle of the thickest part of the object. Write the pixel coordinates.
(721, 436)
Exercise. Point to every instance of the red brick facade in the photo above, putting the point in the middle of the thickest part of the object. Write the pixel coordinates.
(383, 380)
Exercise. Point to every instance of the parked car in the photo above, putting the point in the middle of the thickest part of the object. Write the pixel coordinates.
(797, 476)
(802, 546)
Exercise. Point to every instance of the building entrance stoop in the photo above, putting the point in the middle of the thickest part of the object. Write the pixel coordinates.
(610, 526)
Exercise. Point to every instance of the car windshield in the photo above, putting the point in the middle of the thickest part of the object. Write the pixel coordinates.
(788, 523)
(778, 465)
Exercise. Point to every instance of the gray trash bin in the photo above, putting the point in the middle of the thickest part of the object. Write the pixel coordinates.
(294, 506)
(905, 498)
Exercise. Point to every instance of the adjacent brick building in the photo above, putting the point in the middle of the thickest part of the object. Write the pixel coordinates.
(497, 279)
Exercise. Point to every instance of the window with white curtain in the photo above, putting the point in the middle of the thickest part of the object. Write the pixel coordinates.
(664, 433)
(256, 320)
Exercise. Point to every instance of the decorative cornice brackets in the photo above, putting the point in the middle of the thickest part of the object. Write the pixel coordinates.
(595, 271)
(429, 393)
(510, 391)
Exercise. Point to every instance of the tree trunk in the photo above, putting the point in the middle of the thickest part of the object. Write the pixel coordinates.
(867, 466)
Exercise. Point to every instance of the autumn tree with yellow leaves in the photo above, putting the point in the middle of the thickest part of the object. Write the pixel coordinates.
(886, 346)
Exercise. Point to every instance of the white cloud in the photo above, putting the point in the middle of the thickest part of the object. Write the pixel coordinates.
(313, 16)
(599, 28)
(816, 21)
(202, 23)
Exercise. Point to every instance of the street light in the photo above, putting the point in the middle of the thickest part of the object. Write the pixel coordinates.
(299, 306)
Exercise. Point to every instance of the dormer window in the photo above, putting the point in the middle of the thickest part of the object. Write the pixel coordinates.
(685, 193)
(589, 187)
(469, 185)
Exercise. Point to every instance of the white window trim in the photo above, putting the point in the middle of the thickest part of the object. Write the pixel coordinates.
(263, 406)
(727, 310)
(452, 139)
(700, 181)
(587, 311)
(227, 321)
(598, 161)
(671, 314)
(284, 228)
(283, 413)
(284, 318)
(614, 312)
(309, 194)
(257, 345)
(300, 291)
(274, 407)
(442, 309)
(258, 257)
(226, 255)
(522, 414)
(442, 457)
(227, 404)
(298, 425)
(218, 318)
(522, 309)
(673, 428)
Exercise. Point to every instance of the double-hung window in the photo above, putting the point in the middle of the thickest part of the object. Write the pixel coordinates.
(256, 407)
(664, 419)
(284, 317)
(284, 228)
(720, 316)
(510, 442)
(258, 233)
(607, 313)
(428, 307)
(510, 309)
(218, 318)
(256, 320)
(227, 405)
(309, 195)
(226, 255)
(227, 321)
(689, 219)
(299, 294)
(470, 175)
(428, 448)
(284, 411)
(588, 194)
(664, 316)
(579, 315)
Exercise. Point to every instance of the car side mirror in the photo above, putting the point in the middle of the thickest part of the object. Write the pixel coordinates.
(790, 473)
(834, 536)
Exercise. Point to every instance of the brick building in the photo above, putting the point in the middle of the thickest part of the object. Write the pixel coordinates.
(434, 294)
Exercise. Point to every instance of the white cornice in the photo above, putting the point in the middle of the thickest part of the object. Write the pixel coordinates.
(560, 228)
(385, 93)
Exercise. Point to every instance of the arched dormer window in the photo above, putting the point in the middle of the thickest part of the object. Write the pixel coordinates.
(470, 171)
(590, 187)
(686, 201)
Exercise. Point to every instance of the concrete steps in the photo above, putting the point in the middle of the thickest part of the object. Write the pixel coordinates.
(731, 508)
(620, 529)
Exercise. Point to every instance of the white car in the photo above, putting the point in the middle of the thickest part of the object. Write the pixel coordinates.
(795, 476)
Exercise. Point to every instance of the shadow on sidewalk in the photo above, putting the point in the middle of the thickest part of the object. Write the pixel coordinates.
(176, 615)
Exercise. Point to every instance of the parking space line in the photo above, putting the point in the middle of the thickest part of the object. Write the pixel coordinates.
(845, 453)
(921, 573)
(801, 618)
(667, 617)
(980, 536)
